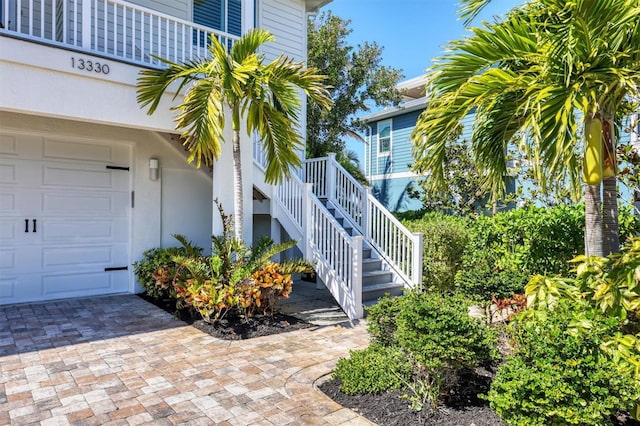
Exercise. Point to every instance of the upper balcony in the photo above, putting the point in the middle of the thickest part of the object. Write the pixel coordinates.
(80, 59)
(113, 29)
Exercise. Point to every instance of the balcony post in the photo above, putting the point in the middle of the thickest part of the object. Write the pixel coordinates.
(356, 279)
(365, 213)
(86, 24)
(418, 248)
(331, 177)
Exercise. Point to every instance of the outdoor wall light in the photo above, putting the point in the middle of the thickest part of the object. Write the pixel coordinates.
(154, 169)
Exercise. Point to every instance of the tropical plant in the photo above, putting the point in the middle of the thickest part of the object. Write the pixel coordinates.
(156, 269)
(609, 286)
(237, 83)
(559, 377)
(445, 240)
(428, 337)
(529, 80)
(236, 278)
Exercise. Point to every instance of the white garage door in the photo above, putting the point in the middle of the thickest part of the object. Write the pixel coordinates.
(64, 218)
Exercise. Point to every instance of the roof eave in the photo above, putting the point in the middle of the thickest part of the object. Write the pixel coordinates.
(377, 116)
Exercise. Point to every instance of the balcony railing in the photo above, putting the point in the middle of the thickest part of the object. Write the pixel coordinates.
(110, 28)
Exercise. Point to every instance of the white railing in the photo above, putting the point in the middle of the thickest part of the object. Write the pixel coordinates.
(112, 28)
(337, 256)
(401, 248)
(316, 173)
(395, 243)
(348, 195)
(338, 259)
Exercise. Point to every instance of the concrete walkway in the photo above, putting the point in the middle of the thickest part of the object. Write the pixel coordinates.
(119, 360)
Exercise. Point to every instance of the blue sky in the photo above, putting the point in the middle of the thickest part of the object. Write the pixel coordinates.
(411, 32)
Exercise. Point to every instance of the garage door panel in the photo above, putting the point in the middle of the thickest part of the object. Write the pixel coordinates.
(20, 173)
(7, 202)
(59, 149)
(21, 146)
(86, 203)
(79, 283)
(85, 257)
(77, 176)
(8, 232)
(7, 260)
(83, 231)
(7, 288)
(8, 174)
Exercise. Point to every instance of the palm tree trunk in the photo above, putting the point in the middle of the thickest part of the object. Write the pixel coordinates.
(593, 221)
(238, 201)
(610, 231)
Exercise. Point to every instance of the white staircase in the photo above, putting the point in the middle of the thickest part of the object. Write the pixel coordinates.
(360, 250)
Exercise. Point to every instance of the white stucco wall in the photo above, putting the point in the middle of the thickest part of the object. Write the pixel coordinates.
(38, 79)
(152, 221)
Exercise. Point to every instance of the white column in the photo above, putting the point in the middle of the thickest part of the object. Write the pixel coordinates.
(418, 248)
(357, 311)
(331, 177)
(86, 23)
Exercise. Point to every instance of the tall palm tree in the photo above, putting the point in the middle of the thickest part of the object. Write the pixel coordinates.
(237, 83)
(530, 80)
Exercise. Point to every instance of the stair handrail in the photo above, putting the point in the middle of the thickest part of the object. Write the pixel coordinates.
(336, 254)
(383, 231)
(388, 236)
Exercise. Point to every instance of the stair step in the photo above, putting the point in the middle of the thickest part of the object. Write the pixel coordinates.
(371, 293)
(366, 253)
(376, 277)
(369, 265)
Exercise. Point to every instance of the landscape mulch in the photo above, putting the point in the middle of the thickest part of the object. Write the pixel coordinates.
(232, 326)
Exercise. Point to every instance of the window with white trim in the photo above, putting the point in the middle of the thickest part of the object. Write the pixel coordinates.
(384, 137)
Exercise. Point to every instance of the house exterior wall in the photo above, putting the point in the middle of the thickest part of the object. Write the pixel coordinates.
(45, 92)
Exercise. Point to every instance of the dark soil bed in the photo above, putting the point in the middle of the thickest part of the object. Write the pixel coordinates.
(233, 327)
(462, 407)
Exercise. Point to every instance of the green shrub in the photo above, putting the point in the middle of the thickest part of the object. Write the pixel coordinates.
(485, 276)
(445, 240)
(429, 333)
(156, 269)
(557, 376)
(441, 337)
(381, 320)
(373, 370)
(506, 249)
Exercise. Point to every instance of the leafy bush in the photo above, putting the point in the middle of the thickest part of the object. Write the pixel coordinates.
(373, 370)
(486, 275)
(445, 240)
(381, 320)
(557, 376)
(156, 269)
(441, 338)
(235, 277)
(436, 337)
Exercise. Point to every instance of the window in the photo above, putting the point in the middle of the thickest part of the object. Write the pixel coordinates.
(384, 138)
(223, 15)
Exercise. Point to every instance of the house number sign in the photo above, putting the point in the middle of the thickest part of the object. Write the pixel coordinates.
(89, 65)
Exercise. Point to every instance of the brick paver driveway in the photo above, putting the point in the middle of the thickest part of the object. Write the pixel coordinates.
(119, 360)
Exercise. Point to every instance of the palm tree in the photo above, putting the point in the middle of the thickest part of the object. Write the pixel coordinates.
(238, 83)
(530, 80)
